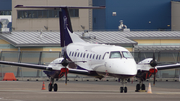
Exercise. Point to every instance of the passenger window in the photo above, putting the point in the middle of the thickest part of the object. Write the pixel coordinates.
(70, 54)
(84, 55)
(81, 54)
(87, 55)
(93, 56)
(97, 57)
(90, 56)
(115, 54)
(75, 54)
(78, 54)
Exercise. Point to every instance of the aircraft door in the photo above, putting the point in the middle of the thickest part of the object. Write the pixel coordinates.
(106, 57)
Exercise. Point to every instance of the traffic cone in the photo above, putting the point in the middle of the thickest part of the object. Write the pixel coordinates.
(149, 89)
(43, 86)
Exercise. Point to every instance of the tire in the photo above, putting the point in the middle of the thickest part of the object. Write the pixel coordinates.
(125, 89)
(137, 87)
(55, 87)
(121, 89)
(50, 87)
(143, 87)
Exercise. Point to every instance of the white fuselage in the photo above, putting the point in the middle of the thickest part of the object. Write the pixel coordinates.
(100, 58)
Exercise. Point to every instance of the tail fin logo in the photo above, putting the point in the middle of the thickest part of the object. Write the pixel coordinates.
(65, 22)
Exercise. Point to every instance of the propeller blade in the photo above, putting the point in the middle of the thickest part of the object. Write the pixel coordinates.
(66, 76)
(154, 77)
(154, 64)
(154, 56)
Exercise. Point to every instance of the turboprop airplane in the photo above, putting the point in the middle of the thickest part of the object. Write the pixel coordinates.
(148, 67)
(96, 60)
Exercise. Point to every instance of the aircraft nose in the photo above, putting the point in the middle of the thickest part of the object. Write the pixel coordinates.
(125, 67)
(130, 66)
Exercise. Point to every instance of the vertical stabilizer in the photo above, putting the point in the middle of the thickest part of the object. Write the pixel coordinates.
(65, 25)
(66, 32)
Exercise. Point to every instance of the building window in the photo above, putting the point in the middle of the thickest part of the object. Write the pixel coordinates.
(74, 12)
(5, 12)
(23, 14)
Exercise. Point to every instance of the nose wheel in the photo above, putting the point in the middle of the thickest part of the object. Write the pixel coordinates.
(123, 88)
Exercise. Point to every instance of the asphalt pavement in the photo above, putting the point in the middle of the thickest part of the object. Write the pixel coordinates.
(86, 91)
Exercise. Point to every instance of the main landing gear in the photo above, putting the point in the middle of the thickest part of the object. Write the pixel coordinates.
(123, 88)
(52, 85)
(140, 87)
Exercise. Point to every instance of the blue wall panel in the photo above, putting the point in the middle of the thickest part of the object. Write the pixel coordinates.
(5, 4)
(136, 14)
(99, 17)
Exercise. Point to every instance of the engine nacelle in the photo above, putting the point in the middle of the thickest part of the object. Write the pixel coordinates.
(152, 70)
(63, 72)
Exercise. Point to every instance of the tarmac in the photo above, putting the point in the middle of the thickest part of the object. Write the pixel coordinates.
(86, 91)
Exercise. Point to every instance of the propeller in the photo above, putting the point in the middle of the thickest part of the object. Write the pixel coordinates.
(153, 63)
(65, 63)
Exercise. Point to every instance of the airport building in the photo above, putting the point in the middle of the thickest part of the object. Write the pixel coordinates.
(136, 15)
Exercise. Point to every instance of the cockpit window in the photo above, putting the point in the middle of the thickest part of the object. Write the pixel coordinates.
(127, 54)
(115, 54)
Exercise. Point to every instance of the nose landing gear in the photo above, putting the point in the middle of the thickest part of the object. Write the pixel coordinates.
(124, 88)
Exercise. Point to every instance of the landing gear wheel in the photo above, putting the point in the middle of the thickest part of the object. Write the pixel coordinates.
(55, 87)
(125, 89)
(143, 87)
(121, 89)
(50, 87)
(138, 87)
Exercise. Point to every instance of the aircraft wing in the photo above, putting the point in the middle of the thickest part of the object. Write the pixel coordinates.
(43, 67)
(77, 71)
(172, 66)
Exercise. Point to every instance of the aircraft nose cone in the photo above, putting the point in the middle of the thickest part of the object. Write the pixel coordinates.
(126, 67)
